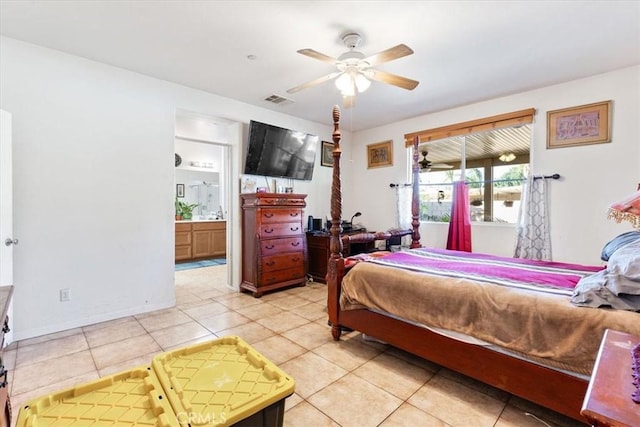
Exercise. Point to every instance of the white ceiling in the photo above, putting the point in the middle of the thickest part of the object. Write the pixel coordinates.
(465, 51)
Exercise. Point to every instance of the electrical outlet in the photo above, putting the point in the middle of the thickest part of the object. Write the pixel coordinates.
(65, 295)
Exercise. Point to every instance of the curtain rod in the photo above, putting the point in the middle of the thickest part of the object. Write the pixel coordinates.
(554, 176)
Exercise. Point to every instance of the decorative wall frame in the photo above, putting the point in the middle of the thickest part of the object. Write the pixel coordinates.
(180, 190)
(380, 154)
(581, 125)
(327, 154)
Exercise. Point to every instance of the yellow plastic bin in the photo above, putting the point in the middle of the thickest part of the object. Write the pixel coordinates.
(131, 398)
(223, 382)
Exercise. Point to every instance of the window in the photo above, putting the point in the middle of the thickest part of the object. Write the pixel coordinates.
(495, 165)
(435, 194)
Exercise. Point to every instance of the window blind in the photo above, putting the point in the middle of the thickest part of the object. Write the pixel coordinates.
(516, 118)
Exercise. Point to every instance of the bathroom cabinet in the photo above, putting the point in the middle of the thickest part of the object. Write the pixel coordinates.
(200, 239)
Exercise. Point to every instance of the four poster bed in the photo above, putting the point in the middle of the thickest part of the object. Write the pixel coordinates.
(529, 342)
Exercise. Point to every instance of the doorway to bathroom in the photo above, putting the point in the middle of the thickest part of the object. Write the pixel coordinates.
(201, 194)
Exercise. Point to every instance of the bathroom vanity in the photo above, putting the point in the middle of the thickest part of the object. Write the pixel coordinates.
(199, 239)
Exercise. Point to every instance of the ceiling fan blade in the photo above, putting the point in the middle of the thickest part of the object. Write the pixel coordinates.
(315, 82)
(389, 54)
(392, 79)
(317, 55)
(441, 166)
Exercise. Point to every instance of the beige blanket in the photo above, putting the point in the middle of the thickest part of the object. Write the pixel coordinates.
(546, 327)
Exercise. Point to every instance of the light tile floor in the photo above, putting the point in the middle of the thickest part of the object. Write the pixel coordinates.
(352, 382)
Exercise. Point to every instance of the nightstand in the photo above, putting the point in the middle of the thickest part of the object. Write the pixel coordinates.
(608, 399)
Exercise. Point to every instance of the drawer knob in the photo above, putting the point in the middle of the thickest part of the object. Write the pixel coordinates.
(295, 243)
(268, 215)
(270, 246)
(270, 263)
(293, 214)
(295, 228)
(270, 230)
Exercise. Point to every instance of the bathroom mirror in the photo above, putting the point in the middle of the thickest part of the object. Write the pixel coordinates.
(202, 188)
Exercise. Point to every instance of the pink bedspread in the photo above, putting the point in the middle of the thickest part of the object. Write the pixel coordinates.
(553, 277)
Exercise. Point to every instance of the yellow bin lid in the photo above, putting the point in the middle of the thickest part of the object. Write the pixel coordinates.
(220, 382)
(129, 398)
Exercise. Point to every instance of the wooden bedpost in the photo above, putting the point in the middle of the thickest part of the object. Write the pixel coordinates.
(415, 198)
(335, 268)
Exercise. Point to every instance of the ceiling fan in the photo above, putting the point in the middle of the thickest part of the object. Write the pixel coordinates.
(427, 166)
(354, 70)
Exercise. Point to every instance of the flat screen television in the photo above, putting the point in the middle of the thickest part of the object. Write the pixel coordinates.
(278, 152)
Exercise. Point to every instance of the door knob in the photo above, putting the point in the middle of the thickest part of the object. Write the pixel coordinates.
(10, 241)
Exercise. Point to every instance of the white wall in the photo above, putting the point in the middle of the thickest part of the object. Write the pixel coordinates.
(593, 176)
(94, 184)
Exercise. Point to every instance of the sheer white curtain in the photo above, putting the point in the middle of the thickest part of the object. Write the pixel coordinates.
(534, 238)
(403, 207)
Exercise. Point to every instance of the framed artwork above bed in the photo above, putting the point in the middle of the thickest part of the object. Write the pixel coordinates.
(380, 154)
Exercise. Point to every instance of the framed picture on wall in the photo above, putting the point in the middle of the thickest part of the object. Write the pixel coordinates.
(327, 154)
(380, 154)
(581, 125)
(179, 190)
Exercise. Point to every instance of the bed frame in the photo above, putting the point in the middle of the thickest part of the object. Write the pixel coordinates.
(553, 389)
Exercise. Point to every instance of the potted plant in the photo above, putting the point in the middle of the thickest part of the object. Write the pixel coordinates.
(178, 210)
(184, 210)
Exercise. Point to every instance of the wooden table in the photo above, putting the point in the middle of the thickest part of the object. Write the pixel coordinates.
(608, 399)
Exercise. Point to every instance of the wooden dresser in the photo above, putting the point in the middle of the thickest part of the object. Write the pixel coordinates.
(274, 248)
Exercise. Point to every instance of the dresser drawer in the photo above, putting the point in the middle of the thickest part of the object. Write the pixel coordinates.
(276, 246)
(270, 277)
(281, 229)
(280, 215)
(279, 262)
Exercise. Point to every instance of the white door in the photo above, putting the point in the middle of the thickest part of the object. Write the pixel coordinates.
(7, 240)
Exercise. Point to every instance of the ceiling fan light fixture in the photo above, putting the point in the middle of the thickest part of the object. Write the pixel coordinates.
(362, 83)
(507, 157)
(351, 81)
(345, 84)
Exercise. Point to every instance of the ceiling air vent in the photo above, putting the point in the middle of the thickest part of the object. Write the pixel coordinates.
(277, 99)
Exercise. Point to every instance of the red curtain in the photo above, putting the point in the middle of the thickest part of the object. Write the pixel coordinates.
(460, 225)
